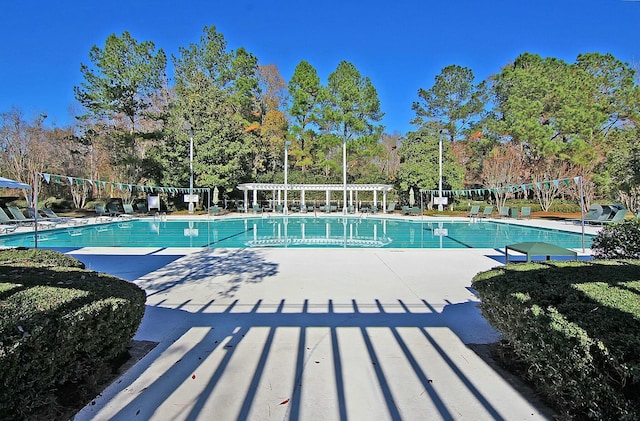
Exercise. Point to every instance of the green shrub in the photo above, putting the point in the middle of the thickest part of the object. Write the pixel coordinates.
(618, 241)
(58, 325)
(576, 327)
(42, 258)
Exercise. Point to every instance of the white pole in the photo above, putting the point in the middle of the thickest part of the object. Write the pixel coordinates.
(440, 178)
(344, 176)
(191, 170)
(35, 210)
(582, 210)
(286, 165)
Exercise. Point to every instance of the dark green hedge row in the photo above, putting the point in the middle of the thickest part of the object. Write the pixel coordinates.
(576, 327)
(58, 324)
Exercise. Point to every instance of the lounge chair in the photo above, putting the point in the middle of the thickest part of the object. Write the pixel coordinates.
(513, 212)
(475, 210)
(101, 213)
(142, 207)
(303, 208)
(618, 217)
(391, 208)
(351, 209)
(5, 229)
(593, 214)
(128, 211)
(374, 209)
(504, 212)
(23, 220)
(4, 218)
(415, 210)
(525, 212)
(486, 213)
(112, 209)
(49, 213)
(406, 210)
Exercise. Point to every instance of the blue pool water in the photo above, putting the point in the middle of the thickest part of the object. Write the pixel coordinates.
(336, 232)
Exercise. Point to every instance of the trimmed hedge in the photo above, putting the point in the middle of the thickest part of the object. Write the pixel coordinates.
(618, 241)
(576, 328)
(59, 324)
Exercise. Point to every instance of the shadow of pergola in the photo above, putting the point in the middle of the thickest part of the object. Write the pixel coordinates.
(222, 330)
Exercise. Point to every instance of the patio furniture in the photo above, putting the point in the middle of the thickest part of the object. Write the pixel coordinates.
(593, 214)
(49, 213)
(4, 218)
(5, 229)
(513, 212)
(23, 220)
(142, 207)
(504, 212)
(618, 217)
(101, 213)
(531, 249)
(486, 213)
(475, 210)
(128, 211)
(525, 212)
(112, 209)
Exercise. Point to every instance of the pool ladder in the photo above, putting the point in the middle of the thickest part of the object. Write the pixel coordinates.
(160, 216)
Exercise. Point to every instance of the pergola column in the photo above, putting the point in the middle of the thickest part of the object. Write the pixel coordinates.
(302, 197)
(375, 197)
(384, 201)
(246, 199)
(328, 199)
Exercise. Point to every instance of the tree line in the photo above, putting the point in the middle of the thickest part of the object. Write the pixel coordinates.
(538, 119)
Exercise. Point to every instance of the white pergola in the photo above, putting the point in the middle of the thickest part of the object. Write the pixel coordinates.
(277, 190)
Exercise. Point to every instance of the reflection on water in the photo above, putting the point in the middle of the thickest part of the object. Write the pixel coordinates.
(316, 232)
(295, 231)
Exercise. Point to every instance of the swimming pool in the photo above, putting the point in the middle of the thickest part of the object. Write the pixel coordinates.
(335, 232)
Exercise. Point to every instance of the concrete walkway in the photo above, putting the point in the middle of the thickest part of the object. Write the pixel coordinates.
(308, 334)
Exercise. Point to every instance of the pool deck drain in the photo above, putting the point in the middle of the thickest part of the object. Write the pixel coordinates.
(302, 334)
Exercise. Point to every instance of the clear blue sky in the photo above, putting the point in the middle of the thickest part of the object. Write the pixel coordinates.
(400, 44)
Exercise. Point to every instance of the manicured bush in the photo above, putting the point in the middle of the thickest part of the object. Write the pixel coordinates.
(575, 326)
(38, 257)
(618, 241)
(58, 325)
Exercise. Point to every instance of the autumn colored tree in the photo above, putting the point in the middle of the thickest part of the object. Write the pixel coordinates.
(502, 169)
(273, 126)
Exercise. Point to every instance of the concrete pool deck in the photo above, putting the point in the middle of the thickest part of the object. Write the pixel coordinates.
(308, 334)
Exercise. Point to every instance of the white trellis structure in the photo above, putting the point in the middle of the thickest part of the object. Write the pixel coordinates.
(352, 189)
